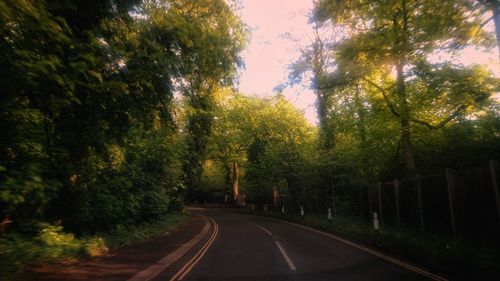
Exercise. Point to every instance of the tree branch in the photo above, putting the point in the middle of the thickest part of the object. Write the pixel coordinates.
(391, 105)
(486, 21)
(442, 123)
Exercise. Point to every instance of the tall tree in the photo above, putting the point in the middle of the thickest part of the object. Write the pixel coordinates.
(88, 133)
(388, 45)
(235, 129)
(267, 138)
(492, 7)
(210, 54)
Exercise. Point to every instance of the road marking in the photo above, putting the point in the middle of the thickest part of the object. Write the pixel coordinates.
(262, 228)
(375, 253)
(287, 258)
(194, 260)
(153, 270)
(282, 251)
(207, 246)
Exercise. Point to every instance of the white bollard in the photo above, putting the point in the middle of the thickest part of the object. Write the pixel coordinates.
(265, 208)
(375, 221)
(329, 214)
(302, 210)
(283, 209)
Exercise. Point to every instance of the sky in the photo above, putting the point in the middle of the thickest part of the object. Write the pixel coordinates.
(270, 51)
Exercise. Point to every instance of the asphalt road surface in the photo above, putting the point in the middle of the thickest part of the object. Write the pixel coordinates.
(248, 247)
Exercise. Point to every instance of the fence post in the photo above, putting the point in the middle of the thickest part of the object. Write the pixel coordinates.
(450, 181)
(396, 198)
(375, 221)
(370, 204)
(379, 187)
(420, 206)
(493, 173)
(334, 207)
(362, 202)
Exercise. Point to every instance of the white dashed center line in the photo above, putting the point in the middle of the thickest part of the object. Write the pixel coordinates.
(280, 248)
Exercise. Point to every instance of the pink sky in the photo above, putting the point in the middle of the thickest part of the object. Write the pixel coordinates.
(270, 52)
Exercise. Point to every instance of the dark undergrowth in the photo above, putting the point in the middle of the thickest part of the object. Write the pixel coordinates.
(48, 243)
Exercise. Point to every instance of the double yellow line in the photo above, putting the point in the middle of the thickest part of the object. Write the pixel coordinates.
(194, 260)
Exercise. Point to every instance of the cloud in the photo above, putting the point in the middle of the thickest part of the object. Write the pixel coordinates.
(278, 29)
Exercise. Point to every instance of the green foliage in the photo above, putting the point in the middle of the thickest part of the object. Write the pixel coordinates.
(89, 134)
(382, 97)
(268, 138)
(128, 234)
(213, 185)
(49, 243)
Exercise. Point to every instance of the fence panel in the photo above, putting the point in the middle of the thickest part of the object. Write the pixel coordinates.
(471, 191)
(476, 207)
(388, 196)
(408, 205)
(436, 211)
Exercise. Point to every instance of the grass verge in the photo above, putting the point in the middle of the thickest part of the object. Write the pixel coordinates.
(49, 243)
(454, 258)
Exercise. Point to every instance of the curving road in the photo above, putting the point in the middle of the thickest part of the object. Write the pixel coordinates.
(245, 247)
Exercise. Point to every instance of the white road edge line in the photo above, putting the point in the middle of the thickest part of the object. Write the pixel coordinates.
(280, 248)
(285, 256)
(375, 253)
(262, 228)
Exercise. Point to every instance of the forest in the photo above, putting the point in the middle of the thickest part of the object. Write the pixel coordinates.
(115, 113)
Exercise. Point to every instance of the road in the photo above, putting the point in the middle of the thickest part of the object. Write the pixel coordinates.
(246, 247)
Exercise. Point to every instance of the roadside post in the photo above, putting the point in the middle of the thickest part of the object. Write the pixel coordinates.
(302, 211)
(375, 221)
(283, 209)
(329, 214)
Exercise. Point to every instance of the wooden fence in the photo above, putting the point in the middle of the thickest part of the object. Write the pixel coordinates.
(463, 202)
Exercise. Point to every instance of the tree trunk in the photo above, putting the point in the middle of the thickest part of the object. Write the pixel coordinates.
(327, 137)
(236, 192)
(495, 9)
(408, 156)
(401, 32)
(4, 224)
(227, 178)
(362, 132)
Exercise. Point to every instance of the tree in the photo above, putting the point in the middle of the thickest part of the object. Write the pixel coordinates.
(388, 46)
(483, 7)
(210, 42)
(89, 133)
(235, 128)
(267, 138)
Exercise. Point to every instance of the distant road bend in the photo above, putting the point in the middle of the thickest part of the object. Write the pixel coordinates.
(243, 247)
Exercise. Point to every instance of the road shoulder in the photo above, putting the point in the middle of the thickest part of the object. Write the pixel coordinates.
(122, 263)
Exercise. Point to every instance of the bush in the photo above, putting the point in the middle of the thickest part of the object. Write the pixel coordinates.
(47, 243)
